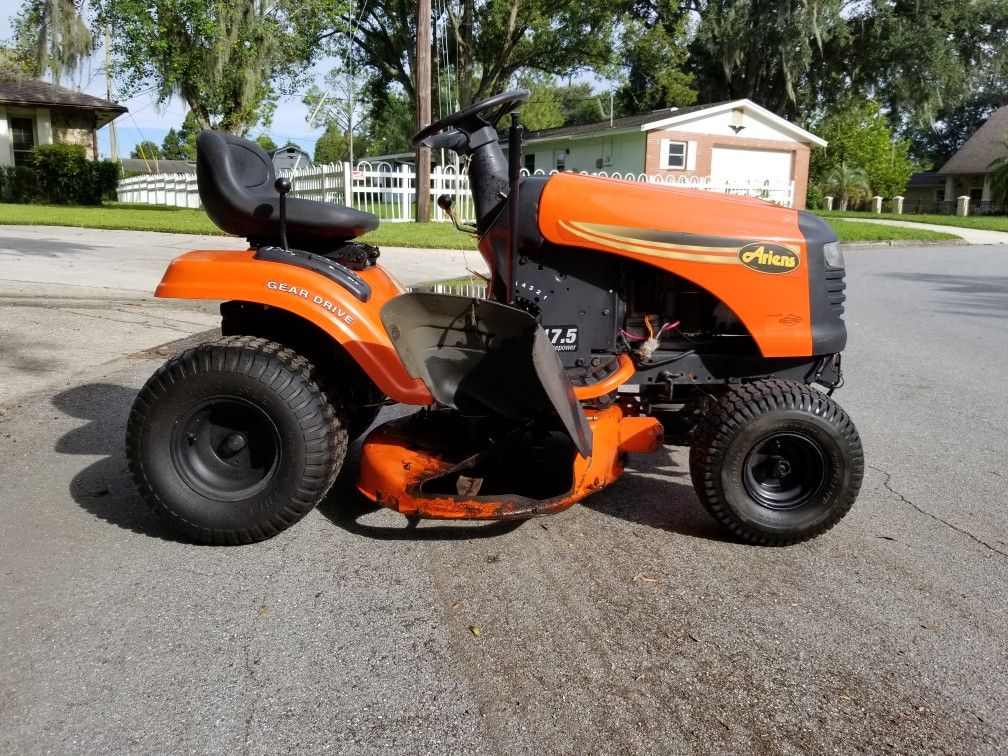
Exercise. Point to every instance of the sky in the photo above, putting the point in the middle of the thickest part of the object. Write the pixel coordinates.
(148, 120)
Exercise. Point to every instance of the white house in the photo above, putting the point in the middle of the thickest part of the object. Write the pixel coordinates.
(723, 143)
(34, 112)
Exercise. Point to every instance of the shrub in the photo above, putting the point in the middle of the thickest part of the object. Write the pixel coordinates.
(103, 181)
(62, 173)
(848, 183)
(814, 197)
(17, 184)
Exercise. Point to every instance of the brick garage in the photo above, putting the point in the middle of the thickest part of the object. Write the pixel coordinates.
(705, 144)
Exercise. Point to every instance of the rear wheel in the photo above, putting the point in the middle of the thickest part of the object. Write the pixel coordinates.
(234, 441)
(776, 462)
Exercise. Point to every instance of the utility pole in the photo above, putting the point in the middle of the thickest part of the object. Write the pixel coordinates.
(352, 82)
(113, 146)
(423, 108)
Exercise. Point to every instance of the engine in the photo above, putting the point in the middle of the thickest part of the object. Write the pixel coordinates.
(594, 305)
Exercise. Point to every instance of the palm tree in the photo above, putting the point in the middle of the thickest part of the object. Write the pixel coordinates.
(848, 182)
(999, 178)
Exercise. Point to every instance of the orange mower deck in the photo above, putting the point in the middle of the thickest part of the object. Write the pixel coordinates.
(397, 466)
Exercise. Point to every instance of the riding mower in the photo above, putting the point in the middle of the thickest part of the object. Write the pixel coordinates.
(618, 317)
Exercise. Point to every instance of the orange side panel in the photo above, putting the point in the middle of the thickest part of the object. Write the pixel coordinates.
(615, 216)
(227, 274)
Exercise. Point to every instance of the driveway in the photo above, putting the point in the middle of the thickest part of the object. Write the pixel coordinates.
(72, 299)
(629, 624)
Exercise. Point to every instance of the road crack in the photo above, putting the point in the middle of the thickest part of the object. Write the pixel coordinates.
(887, 482)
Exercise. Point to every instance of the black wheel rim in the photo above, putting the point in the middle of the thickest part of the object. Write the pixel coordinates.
(226, 449)
(785, 471)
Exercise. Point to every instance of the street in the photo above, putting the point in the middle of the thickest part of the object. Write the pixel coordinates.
(629, 624)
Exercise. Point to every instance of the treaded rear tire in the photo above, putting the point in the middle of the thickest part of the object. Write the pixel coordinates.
(773, 411)
(254, 378)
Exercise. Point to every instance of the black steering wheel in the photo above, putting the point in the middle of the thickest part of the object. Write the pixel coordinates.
(471, 119)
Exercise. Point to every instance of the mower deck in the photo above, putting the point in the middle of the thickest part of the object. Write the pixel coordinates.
(423, 465)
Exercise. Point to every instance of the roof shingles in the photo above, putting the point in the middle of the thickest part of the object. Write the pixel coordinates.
(24, 91)
(989, 143)
(627, 122)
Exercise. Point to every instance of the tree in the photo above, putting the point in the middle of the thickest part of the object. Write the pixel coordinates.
(925, 58)
(391, 121)
(489, 41)
(653, 54)
(188, 132)
(339, 107)
(50, 36)
(849, 183)
(333, 146)
(580, 104)
(147, 150)
(858, 134)
(776, 54)
(932, 146)
(227, 59)
(264, 141)
(543, 109)
(172, 147)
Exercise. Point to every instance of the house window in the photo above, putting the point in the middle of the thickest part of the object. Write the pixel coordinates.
(560, 160)
(940, 195)
(530, 163)
(675, 155)
(23, 139)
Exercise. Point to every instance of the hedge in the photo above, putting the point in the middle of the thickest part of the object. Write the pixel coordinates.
(59, 174)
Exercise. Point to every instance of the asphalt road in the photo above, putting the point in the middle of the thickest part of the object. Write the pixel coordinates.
(629, 624)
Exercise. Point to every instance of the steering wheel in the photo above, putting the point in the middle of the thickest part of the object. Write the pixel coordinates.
(471, 118)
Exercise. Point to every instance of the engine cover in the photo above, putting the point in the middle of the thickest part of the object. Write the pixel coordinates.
(574, 294)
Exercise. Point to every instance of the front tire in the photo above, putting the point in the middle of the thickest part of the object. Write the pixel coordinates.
(234, 441)
(776, 462)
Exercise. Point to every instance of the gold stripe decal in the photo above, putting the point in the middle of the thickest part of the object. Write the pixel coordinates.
(688, 250)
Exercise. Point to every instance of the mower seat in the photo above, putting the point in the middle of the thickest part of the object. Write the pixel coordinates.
(235, 178)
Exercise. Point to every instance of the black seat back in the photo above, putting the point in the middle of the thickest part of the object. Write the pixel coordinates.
(235, 179)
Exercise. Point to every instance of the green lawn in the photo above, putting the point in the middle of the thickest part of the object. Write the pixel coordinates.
(423, 235)
(852, 231)
(985, 222)
(117, 215)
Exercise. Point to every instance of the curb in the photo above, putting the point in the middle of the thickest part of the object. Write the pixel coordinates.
(911, 243)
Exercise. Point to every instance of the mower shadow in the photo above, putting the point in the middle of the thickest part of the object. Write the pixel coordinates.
(649, 493)
(30, 246)
(104, 489)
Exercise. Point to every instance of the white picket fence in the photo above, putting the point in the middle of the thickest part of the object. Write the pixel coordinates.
(389, 191)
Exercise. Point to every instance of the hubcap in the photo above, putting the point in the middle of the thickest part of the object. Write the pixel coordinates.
(784, 471)
(226, 449)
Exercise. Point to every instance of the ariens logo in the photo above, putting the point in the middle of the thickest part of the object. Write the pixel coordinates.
(768, 258)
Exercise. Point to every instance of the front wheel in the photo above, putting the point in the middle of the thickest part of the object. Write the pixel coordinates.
(776, 462)
(234, 441)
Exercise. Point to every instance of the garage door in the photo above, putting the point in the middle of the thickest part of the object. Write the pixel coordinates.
(733, 163)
